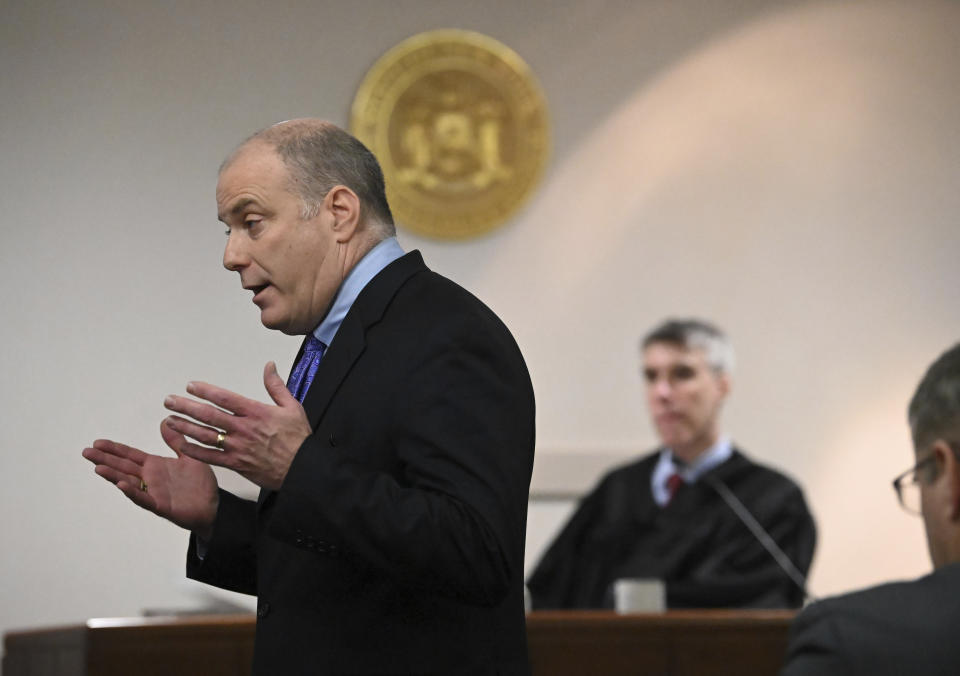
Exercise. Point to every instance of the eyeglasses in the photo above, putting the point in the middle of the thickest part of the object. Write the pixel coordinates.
(907, 485)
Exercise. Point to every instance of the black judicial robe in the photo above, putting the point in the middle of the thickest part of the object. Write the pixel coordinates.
(697, 545)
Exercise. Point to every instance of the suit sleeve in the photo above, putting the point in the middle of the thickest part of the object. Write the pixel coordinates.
(814, 647)
(230, 559)
(449, 516)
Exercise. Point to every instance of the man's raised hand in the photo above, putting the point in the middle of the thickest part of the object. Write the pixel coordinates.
(179, 489)
(256, 440)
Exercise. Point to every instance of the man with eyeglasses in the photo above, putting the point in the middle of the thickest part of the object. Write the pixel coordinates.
(904, 627)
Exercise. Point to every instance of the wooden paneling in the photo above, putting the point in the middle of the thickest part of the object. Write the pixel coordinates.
(212, 646)
(676, 643)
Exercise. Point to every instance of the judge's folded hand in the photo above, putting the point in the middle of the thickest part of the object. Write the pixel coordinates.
(256, 440)
(179, 489)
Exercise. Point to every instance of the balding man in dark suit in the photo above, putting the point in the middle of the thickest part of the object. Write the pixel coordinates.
(389, 533)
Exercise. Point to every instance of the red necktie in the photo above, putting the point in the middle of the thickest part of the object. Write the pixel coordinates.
(674, 481)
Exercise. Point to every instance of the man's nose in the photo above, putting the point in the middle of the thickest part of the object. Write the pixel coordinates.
(661, 388)
(234, 256)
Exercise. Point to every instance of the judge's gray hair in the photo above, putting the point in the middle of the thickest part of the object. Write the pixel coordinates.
(695, 333)
(934, 411)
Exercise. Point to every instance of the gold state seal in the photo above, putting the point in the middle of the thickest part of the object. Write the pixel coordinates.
(460, 127)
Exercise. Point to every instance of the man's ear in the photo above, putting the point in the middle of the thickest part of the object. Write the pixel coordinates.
(724, 383)
(948, 470)
(344, 205)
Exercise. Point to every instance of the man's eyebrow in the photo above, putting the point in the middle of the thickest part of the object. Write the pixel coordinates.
(237, 208)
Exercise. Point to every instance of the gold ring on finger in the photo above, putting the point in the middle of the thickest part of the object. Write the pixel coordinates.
(221, 439)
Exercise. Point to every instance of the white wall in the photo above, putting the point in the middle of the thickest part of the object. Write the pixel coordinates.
(787, 169)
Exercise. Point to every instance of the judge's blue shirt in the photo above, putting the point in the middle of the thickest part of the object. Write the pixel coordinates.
(667, 466)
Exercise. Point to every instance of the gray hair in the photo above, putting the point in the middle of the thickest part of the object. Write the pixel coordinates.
(934, 411)
(695, 333)
(320, 155)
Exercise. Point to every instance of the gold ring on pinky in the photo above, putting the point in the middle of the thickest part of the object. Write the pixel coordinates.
(143, 485)
(221, 439)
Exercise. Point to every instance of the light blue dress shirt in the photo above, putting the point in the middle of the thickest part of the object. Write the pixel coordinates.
(379, 257)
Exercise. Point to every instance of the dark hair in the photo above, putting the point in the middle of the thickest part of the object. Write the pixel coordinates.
(695, 333)
(934, 411)
(320, 155)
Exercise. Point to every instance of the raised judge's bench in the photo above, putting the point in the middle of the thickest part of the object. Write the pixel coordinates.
(562, 643)
(675, 643)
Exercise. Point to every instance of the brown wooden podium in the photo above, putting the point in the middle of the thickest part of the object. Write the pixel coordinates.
(676, 643)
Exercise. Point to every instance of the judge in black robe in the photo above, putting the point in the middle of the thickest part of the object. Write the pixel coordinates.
(704, 553)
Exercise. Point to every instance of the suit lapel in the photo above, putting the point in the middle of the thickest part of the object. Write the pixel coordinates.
(339, 358)
(349, 342)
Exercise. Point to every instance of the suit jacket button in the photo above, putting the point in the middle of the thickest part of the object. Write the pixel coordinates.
(333, 440)
(262, 609)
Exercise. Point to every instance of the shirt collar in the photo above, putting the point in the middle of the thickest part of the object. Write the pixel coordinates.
(375, 260)
(706, 461)
(666, 466)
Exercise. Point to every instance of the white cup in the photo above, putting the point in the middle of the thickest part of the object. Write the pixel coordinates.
(639, 595)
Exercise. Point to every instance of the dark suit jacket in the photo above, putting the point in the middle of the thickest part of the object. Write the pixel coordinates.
(898, 629)
(395, 545)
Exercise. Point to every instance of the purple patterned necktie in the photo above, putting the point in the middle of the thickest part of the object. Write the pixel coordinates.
(306, 368)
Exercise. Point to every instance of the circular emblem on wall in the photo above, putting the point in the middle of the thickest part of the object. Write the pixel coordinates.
(460, 127)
